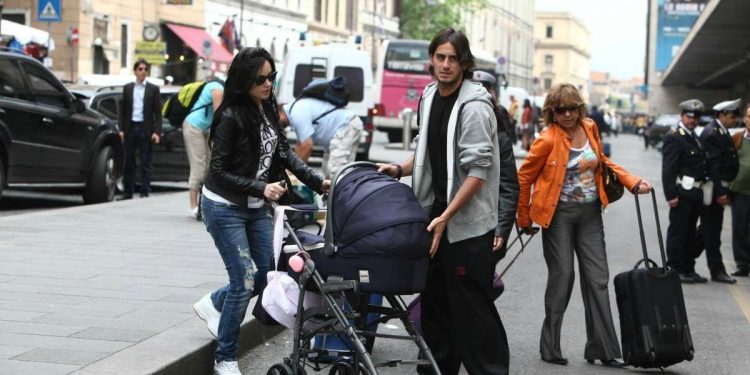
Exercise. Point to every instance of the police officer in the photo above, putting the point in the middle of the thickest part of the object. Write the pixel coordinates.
(683, 173)
(722, 168)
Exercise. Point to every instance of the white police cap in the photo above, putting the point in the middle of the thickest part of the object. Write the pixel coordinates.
(692, 107)
(728, 106)
(483, 77)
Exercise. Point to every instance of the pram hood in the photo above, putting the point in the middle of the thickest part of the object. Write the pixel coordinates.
(365, 202)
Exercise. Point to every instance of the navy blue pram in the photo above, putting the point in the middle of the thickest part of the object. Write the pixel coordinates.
(376, 242)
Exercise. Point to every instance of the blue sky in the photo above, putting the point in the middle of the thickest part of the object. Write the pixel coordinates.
(618, 32)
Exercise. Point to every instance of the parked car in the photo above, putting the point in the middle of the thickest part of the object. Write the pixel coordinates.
(304, 64)
(169, 158)
(49, 138)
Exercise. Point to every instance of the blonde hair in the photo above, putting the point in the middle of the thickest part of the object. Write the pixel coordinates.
(562, 94)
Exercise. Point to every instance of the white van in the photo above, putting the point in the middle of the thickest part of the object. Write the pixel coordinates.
(304, 64)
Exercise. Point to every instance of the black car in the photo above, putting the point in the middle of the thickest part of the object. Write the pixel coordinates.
(48, 138)
(169, 158)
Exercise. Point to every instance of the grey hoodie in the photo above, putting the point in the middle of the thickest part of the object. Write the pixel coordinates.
(472, 151)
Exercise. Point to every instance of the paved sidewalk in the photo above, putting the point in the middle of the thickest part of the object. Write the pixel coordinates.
(108, 289)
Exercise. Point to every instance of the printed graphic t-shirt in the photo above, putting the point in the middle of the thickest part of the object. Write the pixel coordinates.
(580, 176)
(268, 142)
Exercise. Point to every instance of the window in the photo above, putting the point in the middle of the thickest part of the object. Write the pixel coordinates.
(124, 31)
(549, 31)
(303, 74)
(108, 107)
(350, 19)
(547, 83)
(355, 79)
(337, 13)
(11, 80)
(44, 88)
(548, 59)
(318, 10)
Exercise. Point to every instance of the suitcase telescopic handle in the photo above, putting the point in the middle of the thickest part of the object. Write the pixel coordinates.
(658, 230)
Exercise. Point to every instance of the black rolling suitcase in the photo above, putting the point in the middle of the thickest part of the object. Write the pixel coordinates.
(653, 321)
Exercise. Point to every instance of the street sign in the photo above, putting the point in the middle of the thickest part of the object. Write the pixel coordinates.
(49, 10)
(72, 36)
(152, 52)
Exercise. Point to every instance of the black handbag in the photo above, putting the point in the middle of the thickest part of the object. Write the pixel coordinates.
(612, 186)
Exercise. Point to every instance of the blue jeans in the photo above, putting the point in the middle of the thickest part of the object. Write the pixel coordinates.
(244, 237)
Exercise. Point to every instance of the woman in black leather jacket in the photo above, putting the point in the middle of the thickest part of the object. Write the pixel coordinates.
(249, 159)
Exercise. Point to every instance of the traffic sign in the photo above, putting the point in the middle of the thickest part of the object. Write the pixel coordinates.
(72, 36)
(49, 10)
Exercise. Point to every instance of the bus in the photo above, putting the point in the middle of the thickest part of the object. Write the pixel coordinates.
(402, 73)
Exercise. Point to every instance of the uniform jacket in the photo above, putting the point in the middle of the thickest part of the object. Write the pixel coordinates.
(235, 156)
(682, 155)
(472, 151)
(545, 167)
(723, 164)
(151, 108)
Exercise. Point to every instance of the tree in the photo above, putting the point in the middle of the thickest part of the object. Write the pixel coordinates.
(422, 19)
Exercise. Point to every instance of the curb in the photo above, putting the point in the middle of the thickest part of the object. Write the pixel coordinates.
(200, 361)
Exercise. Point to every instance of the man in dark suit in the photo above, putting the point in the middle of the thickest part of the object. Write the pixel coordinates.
(683, 173)
(722, 169)
(140, 126)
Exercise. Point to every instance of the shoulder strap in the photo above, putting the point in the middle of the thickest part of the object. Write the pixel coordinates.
(315, 121)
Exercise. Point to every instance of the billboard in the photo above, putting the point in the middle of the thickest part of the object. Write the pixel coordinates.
(675, 19)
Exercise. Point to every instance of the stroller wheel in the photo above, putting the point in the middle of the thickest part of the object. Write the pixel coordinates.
(280, 369)
(341, 368)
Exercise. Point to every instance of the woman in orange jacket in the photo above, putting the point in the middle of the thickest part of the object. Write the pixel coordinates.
(563, 166)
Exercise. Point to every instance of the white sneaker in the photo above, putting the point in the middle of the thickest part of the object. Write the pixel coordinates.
(193, 212)
(227, 368)
(206, 311)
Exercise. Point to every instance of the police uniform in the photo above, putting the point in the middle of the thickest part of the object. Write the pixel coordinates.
(683, 176)
(722, 168)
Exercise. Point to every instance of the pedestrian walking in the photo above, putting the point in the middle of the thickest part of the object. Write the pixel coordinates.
(527, 125)
(140, 126)
(195, 132)
(249, 159)
(722, 166)
(456, 174)
(683, 173)
(740, 192)
(564, 168)
(508, 197)
(317, 122)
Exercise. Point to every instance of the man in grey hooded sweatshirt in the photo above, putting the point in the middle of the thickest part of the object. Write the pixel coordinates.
(456, 169)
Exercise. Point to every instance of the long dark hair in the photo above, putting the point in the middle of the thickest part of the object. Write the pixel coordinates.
(460, 43)
(245, 67)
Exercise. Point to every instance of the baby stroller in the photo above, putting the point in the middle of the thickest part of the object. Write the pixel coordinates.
(375, 242)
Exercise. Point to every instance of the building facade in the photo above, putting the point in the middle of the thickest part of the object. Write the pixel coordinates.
(562, 51)
(275, 25)
(378, 20)
(502, 33)
(108, 33)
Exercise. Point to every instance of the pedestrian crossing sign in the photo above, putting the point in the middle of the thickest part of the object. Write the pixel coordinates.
(49, 10)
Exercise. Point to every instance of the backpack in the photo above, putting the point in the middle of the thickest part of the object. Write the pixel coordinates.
(180, 105)
(334, 91)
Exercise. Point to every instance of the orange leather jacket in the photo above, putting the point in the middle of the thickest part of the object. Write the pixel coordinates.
(544, 167)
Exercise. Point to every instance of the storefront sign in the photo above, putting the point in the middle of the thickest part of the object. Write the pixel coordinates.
(675, 19)
(152, 52)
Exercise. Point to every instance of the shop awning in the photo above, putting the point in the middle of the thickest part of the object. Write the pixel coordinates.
(25, 34)
(203, 44)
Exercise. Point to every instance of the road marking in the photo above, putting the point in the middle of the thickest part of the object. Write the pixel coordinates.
(743, 299)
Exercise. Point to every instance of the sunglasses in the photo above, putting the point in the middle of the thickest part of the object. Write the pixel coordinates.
(562, 110)
(259, 80)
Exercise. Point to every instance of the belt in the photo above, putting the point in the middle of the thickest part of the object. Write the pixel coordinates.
(696, 184)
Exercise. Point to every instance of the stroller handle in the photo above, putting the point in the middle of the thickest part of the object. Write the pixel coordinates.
(330, 248)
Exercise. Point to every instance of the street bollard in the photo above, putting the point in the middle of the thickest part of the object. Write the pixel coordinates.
(406, 115)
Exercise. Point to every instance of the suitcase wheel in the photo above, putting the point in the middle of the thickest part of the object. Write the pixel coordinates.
(690, 355)
(651, 356)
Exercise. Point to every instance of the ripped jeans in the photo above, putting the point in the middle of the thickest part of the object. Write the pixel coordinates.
(244, 237)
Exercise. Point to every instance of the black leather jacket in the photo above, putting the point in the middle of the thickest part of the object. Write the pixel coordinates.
(235, 156)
